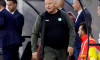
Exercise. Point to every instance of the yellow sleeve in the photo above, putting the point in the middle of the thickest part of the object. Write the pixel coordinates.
(99, 55)
(92, 53)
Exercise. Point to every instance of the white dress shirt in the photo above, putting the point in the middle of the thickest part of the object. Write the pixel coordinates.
(12, 12)
(79, 12)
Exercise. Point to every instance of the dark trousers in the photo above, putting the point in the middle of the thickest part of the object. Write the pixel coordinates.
(76, 52)
(54, 54)
(27, 54)
(71, 57)
(10, 52)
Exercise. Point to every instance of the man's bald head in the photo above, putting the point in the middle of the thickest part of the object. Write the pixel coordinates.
(59, 4)
(76, 5)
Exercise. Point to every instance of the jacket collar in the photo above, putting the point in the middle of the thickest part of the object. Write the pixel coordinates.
(63, 9)
(15, 12)
(84, 38)
(79, 12)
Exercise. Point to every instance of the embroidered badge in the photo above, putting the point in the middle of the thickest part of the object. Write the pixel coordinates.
(59, 19)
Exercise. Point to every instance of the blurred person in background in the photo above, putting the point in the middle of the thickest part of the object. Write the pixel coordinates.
(94, 51)
(9, 37)
(80, 18)
(60, 4)
(98, 12)
(19, 18)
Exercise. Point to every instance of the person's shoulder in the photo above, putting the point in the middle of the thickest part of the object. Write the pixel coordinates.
(43, 14)
(18, 13)
(6, 13)
(92, 40)
(63, 13)
(86, 11)
(63, 9)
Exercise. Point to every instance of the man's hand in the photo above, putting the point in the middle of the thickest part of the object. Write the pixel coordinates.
(70, 50)
(34, 56)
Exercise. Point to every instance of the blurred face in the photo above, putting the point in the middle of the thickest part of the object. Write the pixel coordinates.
(98, 11)
(50, 6)
(75, 5)
(11, 6)
(80, 32)
(57, 4)
(0, 7)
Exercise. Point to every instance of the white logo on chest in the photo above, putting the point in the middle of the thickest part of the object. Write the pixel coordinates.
(59, 19)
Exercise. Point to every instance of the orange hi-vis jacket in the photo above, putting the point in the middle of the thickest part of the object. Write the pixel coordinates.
(94, 51)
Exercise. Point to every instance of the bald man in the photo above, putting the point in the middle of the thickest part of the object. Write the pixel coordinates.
(60, 4)
(57, 33)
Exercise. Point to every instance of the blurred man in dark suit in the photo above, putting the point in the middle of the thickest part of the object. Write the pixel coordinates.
(9, 38)
(19, 19)
(80, 18)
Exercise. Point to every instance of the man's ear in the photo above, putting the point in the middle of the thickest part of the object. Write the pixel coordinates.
(15, 4)
(56, 5)
(83, 33)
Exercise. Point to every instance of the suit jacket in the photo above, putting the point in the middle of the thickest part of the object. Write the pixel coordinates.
(8, 33)
(19, 19)
(63, 9)
(80, 19)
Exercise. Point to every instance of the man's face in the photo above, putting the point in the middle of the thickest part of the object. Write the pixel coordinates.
(11, 6)
(57, 4)
(80, 32)
(50, 5)
(0, 7)
(75, 5)
(98, 11)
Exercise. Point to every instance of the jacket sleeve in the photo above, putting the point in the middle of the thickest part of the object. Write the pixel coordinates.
(99, 55)
(71, 29)
(20, 22)
(1, 20)
(35, 34)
